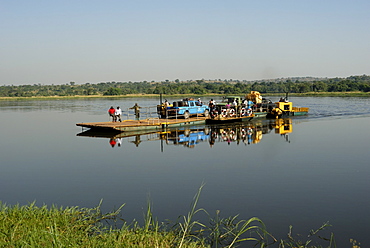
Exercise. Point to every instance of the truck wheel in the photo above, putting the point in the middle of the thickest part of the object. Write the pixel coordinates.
(186, 115)
(206, 113)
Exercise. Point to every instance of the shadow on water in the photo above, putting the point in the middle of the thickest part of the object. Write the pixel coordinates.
(246, 133)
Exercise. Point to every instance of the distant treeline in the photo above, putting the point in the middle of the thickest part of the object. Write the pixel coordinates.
(198, 87)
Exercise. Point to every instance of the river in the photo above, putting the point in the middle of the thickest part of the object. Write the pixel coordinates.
(302, 171)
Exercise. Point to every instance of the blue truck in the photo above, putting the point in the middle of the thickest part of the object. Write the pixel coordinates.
(185, 108)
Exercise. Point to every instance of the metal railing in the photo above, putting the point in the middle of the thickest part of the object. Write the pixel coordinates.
(145, 113)
(150, 114)
(176, 116)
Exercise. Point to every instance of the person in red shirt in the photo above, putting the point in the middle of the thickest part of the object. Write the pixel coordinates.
(112, 142)
(111, 112)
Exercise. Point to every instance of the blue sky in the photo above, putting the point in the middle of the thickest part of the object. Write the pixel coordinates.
(56, 42)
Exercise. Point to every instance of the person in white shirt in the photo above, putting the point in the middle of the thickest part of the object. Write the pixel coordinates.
(118, 114)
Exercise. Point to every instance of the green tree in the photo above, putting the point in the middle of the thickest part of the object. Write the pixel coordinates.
(304, 87)
(320, 86)
(113, 91)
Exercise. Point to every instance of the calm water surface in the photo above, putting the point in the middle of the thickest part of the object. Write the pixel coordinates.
(317, 172)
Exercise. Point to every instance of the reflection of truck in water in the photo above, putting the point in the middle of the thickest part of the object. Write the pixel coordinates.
(188, 138)
(185, 108)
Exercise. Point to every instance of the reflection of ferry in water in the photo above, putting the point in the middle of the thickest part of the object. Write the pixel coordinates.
(246, 133)
(188, 137)
(250, 133)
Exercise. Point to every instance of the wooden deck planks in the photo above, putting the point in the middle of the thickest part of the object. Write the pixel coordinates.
(153, 123)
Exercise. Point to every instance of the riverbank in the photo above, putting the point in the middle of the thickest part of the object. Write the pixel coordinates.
(310, 94)
(33, 226)
(333, 94)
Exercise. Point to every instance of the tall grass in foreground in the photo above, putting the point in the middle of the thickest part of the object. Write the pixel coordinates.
(32, 226)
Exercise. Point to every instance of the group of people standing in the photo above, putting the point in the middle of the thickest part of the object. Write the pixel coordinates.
(231, 107)
(116, 113)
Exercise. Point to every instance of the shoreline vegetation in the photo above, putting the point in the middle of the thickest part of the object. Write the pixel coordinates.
(33, 226)
(307, 94)
(300, 86)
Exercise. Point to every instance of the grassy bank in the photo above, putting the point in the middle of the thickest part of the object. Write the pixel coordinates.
(311, 94)
(33, 226)
(334, 94)
(76, 97)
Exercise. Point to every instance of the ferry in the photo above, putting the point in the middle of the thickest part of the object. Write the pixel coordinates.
(189, 112)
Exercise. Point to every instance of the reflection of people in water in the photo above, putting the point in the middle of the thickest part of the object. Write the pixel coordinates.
(112, 142)
(137, 140)
(212, 141)
(119, 141)
(249, 138)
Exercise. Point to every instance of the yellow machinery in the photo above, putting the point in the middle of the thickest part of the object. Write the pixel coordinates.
(282, 107)
(283, 126)
(300, 109)
(285, 106)
(254, 96)
(257, 137)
